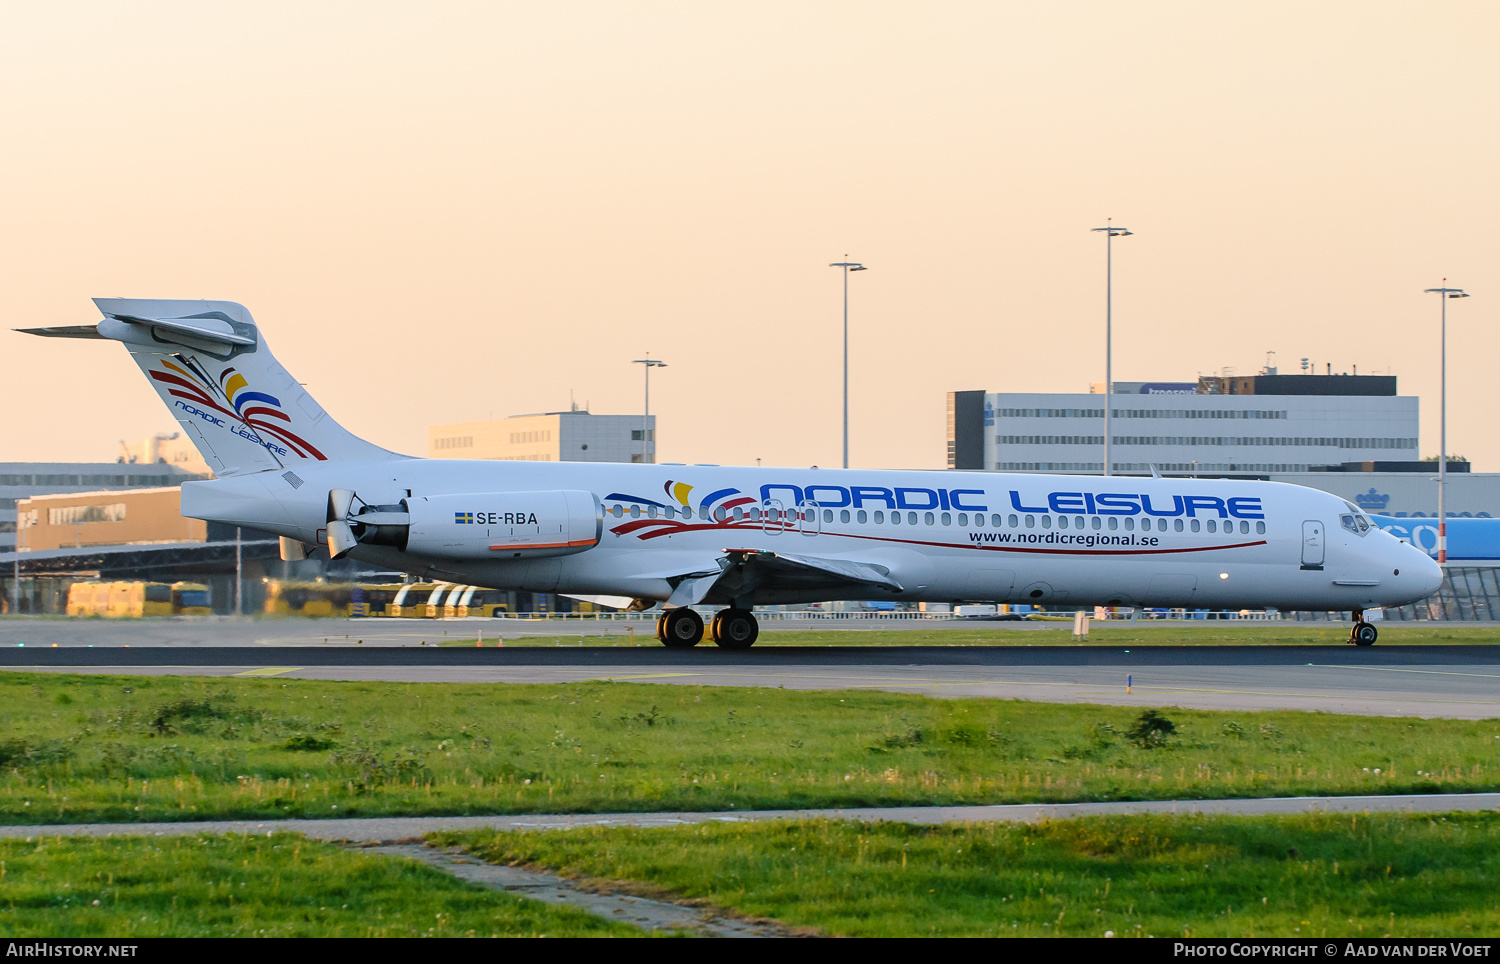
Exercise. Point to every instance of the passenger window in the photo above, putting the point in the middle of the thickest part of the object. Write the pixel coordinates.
(1129, 524)
(1161, 525)
(828, 515)
(651, 512)
(669, 512)
(1062, 522)
(843, 515)
(719, 513)
(863, 517)
(1046, 522)
(979, 518)
(617, 510)
(947, 519)
(1260, 528)
(1031, 522)
(895, 518)
(1196, 525)
(1244, 528)
(755, 513)
(879, 517)
(1177, 524)
(1097, 522)
(911, 519)
(635, 512)
(703, 512)
(1213, 526)
(963, 518)
(1114, 523)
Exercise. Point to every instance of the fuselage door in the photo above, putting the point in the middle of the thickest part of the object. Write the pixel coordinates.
(772, 516)
(810, 519)
(1312, 545)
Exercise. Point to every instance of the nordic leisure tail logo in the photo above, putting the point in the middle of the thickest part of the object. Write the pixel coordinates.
(229, 403)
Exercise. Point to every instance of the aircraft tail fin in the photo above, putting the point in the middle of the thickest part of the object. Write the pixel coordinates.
(212, 367)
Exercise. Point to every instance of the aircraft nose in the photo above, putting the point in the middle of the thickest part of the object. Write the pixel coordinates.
(1428, 574)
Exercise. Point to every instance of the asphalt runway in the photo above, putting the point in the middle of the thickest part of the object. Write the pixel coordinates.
(1427, 681)
(243, 631)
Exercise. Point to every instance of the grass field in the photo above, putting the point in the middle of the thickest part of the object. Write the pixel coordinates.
(1305, 876)
(1205, 633)
(272, 886)
(116, 748)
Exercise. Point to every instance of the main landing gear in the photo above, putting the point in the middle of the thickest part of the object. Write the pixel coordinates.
(679, 628)
(731, 628)
(734, 628)
(1363, 634)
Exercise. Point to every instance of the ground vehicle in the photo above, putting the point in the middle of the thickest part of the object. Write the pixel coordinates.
(476, 601)
(373, 600)
(125, 600)
(411, 600)
(302, 598)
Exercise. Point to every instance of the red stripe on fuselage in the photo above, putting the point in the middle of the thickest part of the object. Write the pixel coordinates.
(665, 527)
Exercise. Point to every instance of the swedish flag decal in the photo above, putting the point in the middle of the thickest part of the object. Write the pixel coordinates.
(463, 518)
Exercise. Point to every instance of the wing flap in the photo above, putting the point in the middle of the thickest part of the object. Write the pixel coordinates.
(847, 570)
(744, 572)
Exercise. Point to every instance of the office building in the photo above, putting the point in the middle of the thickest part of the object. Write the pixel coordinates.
(575, 436)
(1250, 427)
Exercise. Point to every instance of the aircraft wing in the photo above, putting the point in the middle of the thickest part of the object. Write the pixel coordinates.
(741, 572)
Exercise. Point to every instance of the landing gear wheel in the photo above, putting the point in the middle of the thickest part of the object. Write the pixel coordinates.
(661, 627)
(735, 628)
(681, 629)
(1364, 634)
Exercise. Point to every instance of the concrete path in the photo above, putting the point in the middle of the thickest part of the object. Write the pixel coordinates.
(399, 837)
(551, 889)
(405, 828)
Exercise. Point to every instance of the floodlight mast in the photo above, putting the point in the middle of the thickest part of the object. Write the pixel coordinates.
(1443, 293)
(650, 363)
(1110, 233)
(847, 267)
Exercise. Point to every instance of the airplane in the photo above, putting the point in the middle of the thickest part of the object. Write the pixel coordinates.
(1470, 540)
(737, 538)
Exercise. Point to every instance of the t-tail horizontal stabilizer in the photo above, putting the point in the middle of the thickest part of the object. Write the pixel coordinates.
(210, 364)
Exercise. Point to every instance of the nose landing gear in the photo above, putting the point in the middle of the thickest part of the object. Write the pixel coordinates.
(1363, 633)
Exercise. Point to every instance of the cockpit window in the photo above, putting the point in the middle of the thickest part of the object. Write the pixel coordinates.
(1355, 521)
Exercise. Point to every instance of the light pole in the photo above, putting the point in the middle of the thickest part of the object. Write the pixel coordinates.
(15, 583)
(1444, 293)
(1110, 233)
(847, 266)
(650, 363)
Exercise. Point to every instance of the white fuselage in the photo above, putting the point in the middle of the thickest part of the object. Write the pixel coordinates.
(1049, 540)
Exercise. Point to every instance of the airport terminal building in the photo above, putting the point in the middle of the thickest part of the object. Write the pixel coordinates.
(575, 436)
(1248, 427)
(22, 480)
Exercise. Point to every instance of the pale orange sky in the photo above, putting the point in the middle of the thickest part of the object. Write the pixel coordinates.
(443, 212)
